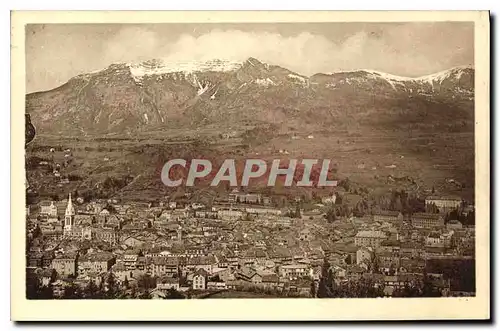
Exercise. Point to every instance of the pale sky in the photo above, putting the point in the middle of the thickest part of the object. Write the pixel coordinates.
(57, 52)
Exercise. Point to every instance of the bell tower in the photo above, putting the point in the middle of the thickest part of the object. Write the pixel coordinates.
(69, 215)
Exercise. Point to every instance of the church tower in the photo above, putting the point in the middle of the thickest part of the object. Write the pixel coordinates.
(179, 233)
(69, 215)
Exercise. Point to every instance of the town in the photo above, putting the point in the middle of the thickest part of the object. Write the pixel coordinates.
(247, 244)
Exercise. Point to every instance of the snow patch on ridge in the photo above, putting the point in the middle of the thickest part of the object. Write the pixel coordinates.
(159, 67)
(265, 82)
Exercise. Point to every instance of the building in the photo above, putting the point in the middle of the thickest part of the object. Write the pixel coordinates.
(427, 220)
(389, 246)
(329, 199)
(166, 283)
(444, 202)
(388, 216)
(69, 219)
(216, 286)
(411, 249)
(263, 211)
(192, 264)
(433, 239)
(88, 233)
(66, 264)
(96, 262)
(200, 279)
(236, 197)
(107, 235)
(294, 271)
(164, 266)
(230, 214)
(369, 238)
(364, 255)
(454, 225)
(129, 259)
(48, 208)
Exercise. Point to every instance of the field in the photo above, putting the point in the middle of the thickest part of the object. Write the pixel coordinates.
(128, 168)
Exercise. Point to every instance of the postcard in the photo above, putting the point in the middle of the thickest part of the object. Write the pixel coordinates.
(202, 166)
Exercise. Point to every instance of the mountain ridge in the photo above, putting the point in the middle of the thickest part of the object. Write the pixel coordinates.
(128, 97)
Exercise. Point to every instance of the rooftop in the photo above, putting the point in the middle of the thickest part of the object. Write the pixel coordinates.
(371, 234)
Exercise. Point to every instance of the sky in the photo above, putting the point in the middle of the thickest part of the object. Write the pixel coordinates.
(57, 52)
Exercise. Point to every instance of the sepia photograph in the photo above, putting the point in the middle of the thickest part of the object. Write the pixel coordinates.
(271, 159)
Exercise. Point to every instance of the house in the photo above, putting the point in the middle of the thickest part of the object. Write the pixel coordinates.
(394, 217)
(256, 278)
(427, 220)
(200, 279)
(369, 238)
(444, 202)
(245, 274)
(166, 283)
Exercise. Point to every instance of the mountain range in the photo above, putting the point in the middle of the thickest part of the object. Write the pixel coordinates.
(129, 98)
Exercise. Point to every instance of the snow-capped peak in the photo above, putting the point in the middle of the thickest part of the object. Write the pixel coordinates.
(393, 80)
(439, 77)
(158, 67)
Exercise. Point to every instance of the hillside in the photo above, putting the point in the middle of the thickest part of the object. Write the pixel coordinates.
(125, 121)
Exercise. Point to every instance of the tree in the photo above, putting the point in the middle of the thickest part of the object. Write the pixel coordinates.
(174, 294)
(330, 215)
(325, 286)
(375, 265)
(46, 292)
(297, 212)
(71, 292)
(126, 283)
(313, 289)
(338, 198)
(428, 289)
(145, 295)
(91, 291)
(112, 287)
